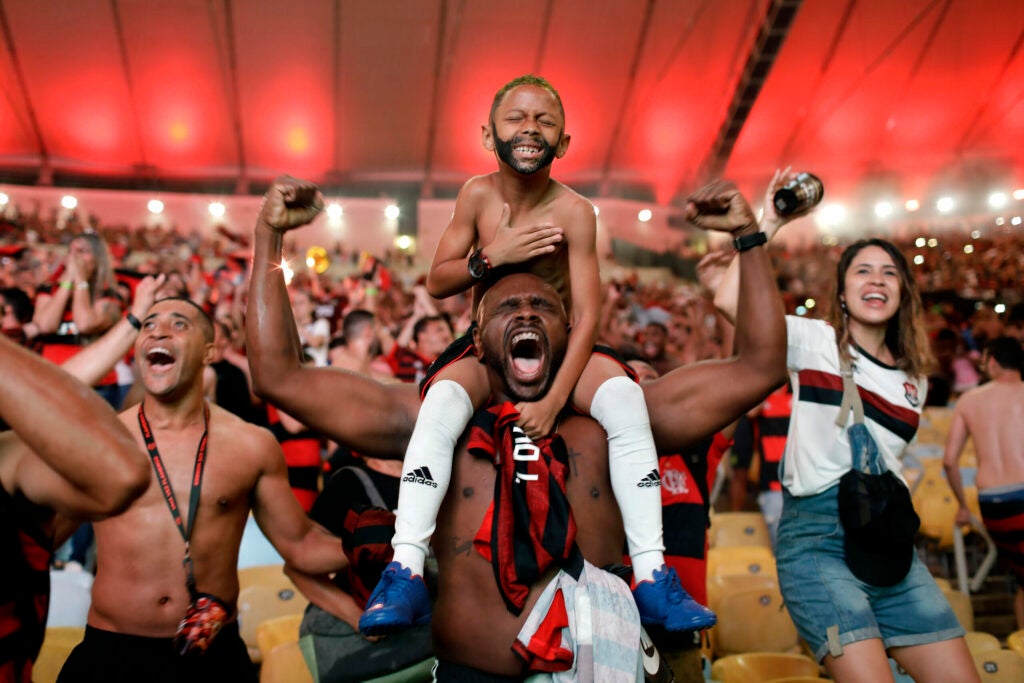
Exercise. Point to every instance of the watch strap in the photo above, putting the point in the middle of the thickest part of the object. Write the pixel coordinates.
(749, 241)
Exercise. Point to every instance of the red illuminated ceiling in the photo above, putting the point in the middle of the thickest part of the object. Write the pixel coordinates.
(907, 97)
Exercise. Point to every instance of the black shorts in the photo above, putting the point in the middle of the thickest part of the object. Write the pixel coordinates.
(449, 672)
(108, 657)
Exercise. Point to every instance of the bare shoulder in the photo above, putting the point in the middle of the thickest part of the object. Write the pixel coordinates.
(573, 209)
(479, 188)
(243, 439)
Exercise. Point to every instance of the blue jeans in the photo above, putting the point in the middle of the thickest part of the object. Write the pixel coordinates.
(830, 606)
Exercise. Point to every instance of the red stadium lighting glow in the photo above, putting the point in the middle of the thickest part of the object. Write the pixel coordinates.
(179, 131)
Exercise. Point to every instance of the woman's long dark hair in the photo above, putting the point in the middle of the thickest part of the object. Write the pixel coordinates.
(905, 335)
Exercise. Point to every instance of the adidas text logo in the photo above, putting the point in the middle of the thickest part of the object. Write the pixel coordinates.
(651, 480)
(420, 475)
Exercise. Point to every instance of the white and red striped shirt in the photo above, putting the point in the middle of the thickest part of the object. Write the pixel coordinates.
(817, 451)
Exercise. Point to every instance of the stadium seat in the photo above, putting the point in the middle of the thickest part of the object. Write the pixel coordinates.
(265, 575)
(1000, 666)
(285, 664)
(979, 642)
(57, 645)
(260, 602)
(272, 632)
(754, 621)
(961, 604)
(937, 510)
(741, 560)
(1015, 641)
(761, 667)
(730, 529)
(720, 586)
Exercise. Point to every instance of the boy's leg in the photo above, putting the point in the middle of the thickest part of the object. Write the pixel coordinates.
(618, 404)
(400, 599)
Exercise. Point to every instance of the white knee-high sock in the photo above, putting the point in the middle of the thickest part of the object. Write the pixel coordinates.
(620, 408)
(427, 469)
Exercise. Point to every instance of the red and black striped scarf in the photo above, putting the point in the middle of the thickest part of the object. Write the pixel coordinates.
(529, 526)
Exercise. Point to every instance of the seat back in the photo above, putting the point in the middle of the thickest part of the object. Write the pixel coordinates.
(761, 667)
(979, 642)
(730, 529)
(962, 608)
(285, 664)
(741, 560)
(57, 645)
(265, 575)
(272, 632)
(258, 603)
(1015, 641)
(754, 621)
(1000, 666)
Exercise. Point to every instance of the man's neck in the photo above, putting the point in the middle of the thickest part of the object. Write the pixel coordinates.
(1004, 376)
(174, 413)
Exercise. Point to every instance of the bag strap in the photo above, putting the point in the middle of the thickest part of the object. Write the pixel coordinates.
(372, 492)
(851, 397)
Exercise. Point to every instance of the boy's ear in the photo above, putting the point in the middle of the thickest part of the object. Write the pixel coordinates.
(563, 146)
(487, 137)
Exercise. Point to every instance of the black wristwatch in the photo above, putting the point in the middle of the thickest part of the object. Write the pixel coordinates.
(749, 241)
(479, 265)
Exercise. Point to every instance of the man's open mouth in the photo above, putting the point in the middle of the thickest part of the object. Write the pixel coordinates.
(527, 355)
(160, 357)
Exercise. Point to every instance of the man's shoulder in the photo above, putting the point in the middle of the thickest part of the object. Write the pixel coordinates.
(243, 436)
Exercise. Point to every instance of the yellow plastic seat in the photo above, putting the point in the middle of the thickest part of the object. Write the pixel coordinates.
(273, 632)
(937, 511)
(962, 608)
(57, 645)
(1015, 641)
(719, 586)
(1000, 666)
(285, 664)
(730, 529)
(796, 679)
(265, 574)
(741, 560)
(258, 603)
(979, 642)
(761, 667)
(943, 584)
(754, 621)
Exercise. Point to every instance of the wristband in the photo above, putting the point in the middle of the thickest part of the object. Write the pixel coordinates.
(133, 321)
(754, 239)
(65, 284)
(81, 285)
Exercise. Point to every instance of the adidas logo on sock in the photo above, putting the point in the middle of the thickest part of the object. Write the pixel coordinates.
(420, 475)
(651, 480)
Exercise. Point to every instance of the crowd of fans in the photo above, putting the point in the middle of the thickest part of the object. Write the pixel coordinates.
(371, 314)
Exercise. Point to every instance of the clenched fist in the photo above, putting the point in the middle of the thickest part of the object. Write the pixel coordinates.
(290, 203)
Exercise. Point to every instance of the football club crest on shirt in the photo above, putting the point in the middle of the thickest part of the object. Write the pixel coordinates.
(910, 391)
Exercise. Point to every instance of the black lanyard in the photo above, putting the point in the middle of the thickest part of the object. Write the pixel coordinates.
(168, 491)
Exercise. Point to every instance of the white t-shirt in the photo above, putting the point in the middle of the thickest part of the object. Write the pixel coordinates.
(318, 328)
(817, 451)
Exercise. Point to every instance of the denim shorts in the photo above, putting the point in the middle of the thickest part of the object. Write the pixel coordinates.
(830, 606)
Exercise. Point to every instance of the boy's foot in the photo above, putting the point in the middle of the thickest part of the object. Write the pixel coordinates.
(663, 602)
(399, 601)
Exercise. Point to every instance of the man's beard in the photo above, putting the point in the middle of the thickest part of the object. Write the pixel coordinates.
(504, 149)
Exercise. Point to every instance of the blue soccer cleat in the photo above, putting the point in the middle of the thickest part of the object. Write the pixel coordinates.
(663, 602)
(399, 601)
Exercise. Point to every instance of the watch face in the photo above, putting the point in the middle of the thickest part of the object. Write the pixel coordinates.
(477, 266)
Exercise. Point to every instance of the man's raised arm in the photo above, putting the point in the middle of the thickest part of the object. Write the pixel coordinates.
(366, 415)
(695, 401)
(67, 451)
